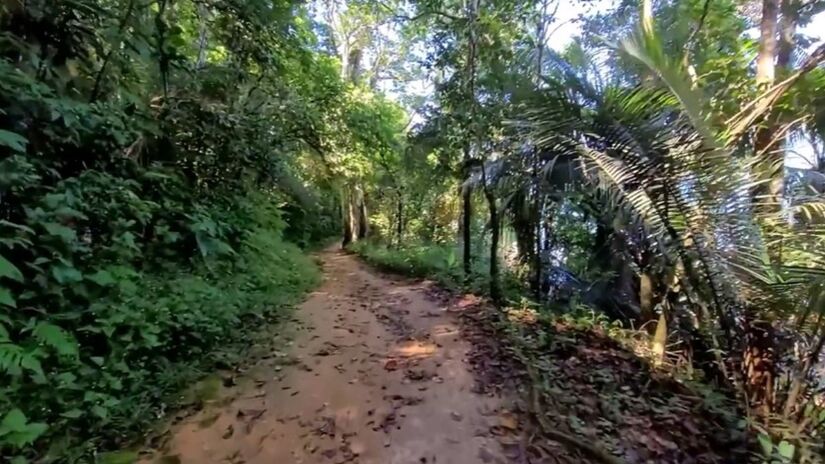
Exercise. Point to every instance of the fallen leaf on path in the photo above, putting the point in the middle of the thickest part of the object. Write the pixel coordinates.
(327, 427)
(508, 420)
(251, 416)
(391, 365)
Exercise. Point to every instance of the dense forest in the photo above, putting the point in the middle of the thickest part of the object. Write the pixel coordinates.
(167, 167)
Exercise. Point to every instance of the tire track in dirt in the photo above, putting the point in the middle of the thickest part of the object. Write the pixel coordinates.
(377, 375)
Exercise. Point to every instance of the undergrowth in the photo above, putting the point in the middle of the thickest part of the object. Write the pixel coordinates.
(440, 262)
(96, 368)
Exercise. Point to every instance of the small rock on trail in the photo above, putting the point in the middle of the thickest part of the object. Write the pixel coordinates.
(379, 378)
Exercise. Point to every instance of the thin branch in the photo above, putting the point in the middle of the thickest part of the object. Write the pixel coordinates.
(121, 27)
(691, 41)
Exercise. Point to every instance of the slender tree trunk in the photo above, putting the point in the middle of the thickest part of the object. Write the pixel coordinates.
(466, 222)
(787, 30)
(541, 32)
(495, 230)
(759, 357)
(646, 297)
(348, 216)
(354, 64)
(536, 206)
(343, 55)
(163, 57)
(363, 217)
(471, 7)
(759, 364)
(399, 219)
(354, 210)
(203, 12)
(495, 290)
(765, 75)
(765, 67)
(538, 271)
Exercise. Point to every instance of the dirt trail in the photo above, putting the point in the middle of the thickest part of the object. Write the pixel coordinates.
(377, 375)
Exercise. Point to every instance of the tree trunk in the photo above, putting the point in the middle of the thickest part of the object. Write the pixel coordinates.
(660, 339)
(759, 363)
(538, 268)
(765, 74)
(758, 360)
(787, 30)
(646, 297)
(399, 225)
(766, 144)
(471, 7)
(363, 218)
(495, 287)
(203, 14)
(767, 42)
(354, 210)
(354, 72)
(348, 217)
(466, 221)
(495, 290)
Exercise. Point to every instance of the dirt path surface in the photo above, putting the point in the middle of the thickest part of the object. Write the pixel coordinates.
(377, 374)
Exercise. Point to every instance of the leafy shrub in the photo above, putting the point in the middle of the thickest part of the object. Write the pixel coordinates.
(94, 341)
(435, 261)
(441, 262)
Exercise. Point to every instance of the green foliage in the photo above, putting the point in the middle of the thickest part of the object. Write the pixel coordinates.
(158, 163)
(434, 261)
(104, 367)
(17, 432)
(440, 262)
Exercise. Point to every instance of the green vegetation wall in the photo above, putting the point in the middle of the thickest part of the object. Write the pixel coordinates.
(161, 163)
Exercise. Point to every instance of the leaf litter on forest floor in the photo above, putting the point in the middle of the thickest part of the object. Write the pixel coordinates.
(589, 386)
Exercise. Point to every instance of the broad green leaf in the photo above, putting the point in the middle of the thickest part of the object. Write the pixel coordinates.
(102, 278)
(786, 450)
(66, 274)
(14, 141)
(7, 269)
(72, 413)
(67, 234)
(766, 443)
(32, 363)
(17, 431)
(14, 421)
(6, 298)
(100, 411)
(55, 337)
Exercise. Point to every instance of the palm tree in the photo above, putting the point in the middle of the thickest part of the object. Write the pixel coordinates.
(677, 188)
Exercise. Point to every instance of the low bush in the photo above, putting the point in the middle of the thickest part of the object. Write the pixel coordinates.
(440, 262)
(104, 333)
